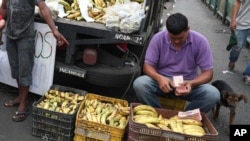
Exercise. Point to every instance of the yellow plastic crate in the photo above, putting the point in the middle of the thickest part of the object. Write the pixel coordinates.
(172, 103)
(93, 131)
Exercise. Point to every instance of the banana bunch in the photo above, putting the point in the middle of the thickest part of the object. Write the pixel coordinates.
(98, 10)
(62, 102)
(65, 4)
(105, 113)
(147, 115)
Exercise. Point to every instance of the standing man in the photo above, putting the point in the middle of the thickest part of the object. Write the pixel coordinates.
(174, 52)
(240, 23)
(20, 46)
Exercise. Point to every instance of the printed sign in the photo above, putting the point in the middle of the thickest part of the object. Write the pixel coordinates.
(43, 70)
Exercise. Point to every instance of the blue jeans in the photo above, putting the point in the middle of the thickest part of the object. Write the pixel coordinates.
(204, 96)
(247, 70)
(21, 59)
(241, 36)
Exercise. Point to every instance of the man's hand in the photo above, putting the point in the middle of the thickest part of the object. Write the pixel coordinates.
(183, 88)
(61, 40)
(165, 84)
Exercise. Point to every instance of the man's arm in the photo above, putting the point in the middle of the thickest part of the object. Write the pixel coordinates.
(205, 77)
(3, 9)
(235, 11)
(49, 20)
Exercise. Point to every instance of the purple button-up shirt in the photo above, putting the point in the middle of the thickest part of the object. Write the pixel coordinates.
(193, 56)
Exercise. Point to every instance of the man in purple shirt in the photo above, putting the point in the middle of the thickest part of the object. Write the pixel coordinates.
(174, 52)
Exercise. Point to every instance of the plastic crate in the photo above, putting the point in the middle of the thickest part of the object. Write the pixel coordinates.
(92, 131)
(140, 132)
(52, 128)
(51, 136)
(172, 103)
(54, 125)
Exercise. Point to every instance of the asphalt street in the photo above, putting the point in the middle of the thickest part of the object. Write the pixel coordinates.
(201, 19)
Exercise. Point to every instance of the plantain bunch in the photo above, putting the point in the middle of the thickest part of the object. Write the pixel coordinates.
(147, 115)
(62, 102)
(98, 11)
(72, 9)
(113, 114)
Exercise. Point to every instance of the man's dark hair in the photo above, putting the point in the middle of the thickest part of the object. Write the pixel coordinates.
(176, 23)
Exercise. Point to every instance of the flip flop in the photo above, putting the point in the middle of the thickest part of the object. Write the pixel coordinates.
(20, 116)
(11, 103)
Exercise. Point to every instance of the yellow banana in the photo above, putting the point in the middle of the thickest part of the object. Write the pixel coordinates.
(163, 127)
(148, 119)
(90, 109)
(193, 127)
(122, 122)
(140, 116)
(165, 121)
(176, 126)
(194, 133)
(144, 107)
(193, 130)
(97, 3)
(146, 112)
(149, 125)
(89, 117)
(102, 3)
(65, 4)
(99, 108)
(98, 118)
(94, 118)
(104, 116)
(191, 121)
(112, 114)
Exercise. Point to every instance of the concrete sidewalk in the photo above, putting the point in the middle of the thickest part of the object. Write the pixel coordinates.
(201, 19)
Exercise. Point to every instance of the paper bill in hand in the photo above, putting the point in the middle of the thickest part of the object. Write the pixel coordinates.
(177, 80)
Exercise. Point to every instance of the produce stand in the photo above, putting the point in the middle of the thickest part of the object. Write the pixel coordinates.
(82, 35)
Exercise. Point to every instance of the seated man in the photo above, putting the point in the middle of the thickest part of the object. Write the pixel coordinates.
(174, 52)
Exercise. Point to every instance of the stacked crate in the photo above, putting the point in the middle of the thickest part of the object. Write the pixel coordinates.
(53, 125)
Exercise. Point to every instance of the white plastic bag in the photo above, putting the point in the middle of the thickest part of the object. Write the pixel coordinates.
(133, 23)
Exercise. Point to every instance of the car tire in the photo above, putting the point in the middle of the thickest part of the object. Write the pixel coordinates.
(110, 76)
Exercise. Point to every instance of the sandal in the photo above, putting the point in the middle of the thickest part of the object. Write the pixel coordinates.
(11, 103)
(20, 116)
